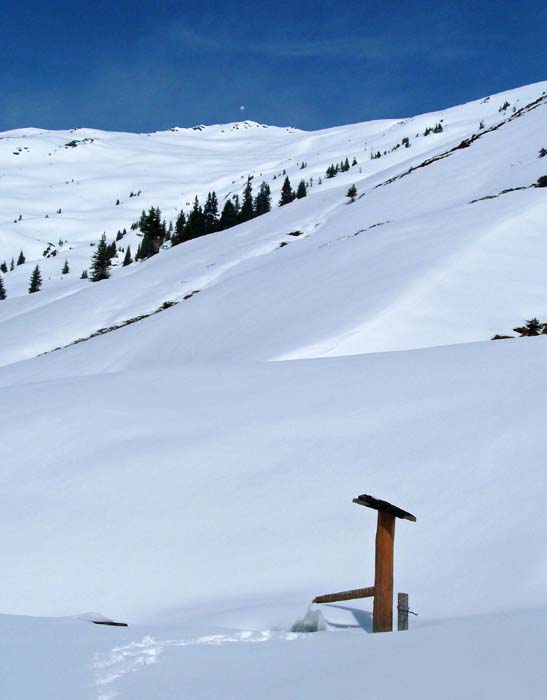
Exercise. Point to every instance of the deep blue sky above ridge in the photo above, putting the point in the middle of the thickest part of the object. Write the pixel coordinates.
(144, 66)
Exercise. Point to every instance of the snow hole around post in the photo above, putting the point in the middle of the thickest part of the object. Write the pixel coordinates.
(312, 621)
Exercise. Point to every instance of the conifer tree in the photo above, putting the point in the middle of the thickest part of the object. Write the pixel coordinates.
(153, 230)
(247, 212)
(533, 326)
(3, 294)
(100, 262)
(352, 193)
(179, 234)
(210, 213)
(195, 226)
(354, 162)
(12, 265)
(4, 267)
(35, 283)
(301, 190)
(127, 258)
(229, 217)
(21, 259)
(235, 200)
(65, 269)
(83, 276)
(287, 194)
(263, 200)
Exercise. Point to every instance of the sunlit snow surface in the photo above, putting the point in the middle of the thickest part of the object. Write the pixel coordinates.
(192, 474)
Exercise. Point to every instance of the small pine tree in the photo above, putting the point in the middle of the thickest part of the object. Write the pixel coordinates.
(247, 211)
(533, 326)
(3, 294)
(12, 265)
(4, 267)
(352, 193)
(354, 161)
(21, 259)
(127, 258)
(229, 217)
(179, 234)
(65, 269)
(301, 190)
(263, 200)
(35, 283)
(210, 213)
(195, 226)
(542, 152)
(100, 262)
(83, 276)
(287, 194)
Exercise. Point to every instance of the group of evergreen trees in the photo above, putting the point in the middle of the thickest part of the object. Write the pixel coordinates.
(200, 220)
(437, 129)
(35, 282)
(341, 167)
(20, 261)
(288, 195)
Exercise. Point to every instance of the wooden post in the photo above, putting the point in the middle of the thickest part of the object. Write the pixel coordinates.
(402, 612)
(382, 616)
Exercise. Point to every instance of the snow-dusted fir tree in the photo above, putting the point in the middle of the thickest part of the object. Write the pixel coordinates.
(287, 194)
(301, 190)
(35, 283)
(65, 269)
(352, 193)
(127, 260)
(247, 211)
(100, 262)
(210, 213)
(263, 200)
(3, 294)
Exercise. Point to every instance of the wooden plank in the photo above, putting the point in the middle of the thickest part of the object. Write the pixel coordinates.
(345, 595)
(110, 623)
(402, 611)
(383, 506)
(382, 616)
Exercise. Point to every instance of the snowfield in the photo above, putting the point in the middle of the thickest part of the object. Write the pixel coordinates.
(192, 473)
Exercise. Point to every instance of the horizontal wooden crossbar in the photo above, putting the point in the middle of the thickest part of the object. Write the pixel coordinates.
(345, 595)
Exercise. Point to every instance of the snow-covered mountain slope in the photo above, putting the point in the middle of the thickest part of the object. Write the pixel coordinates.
(439, 269)
(193, 471)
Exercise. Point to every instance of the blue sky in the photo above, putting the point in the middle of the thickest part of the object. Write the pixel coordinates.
(142, 66)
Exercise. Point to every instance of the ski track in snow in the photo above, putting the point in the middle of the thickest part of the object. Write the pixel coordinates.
(132, 657)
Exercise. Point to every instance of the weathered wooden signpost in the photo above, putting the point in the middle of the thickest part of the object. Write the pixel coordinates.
(382, 591)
